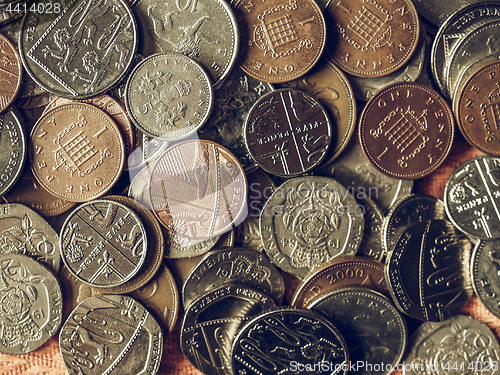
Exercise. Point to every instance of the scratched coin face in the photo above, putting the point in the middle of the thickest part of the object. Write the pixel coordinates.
(169, 96)
(77, 152)
(288, 132)
(103, 243)
(198, 189)
(10, 72)
(81, 48)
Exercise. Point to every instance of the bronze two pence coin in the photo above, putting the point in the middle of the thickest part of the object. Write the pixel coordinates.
(288, 132)
(10, 72)
(76, 152)
(198, 189)
(406, 130)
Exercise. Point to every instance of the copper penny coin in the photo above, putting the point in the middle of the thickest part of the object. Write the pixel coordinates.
(340, 273)
(281, 40)
(406, 130)
(288, 132)
(371, 38)
(10, 72)
(477, 109)
(198, 189)
(76, 152)
(103, 243)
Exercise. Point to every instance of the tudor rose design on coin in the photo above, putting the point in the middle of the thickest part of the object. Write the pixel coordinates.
(307, 222)
(169, 96)
(83, 50)
(198, 189)
(76, 152)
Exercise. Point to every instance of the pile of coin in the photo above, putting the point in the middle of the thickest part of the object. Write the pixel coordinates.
(258, 157)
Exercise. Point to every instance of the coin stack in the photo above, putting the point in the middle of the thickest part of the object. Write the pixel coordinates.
(249, 187)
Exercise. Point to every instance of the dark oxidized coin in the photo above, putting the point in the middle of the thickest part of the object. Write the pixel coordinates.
(30, 304)
(374, 330)
(234, 266)
(288, 132)
(472, 197)
(103, 243)
(12, 149)
(209, 325)
(279, 341)
(111, 335)
(428, 271)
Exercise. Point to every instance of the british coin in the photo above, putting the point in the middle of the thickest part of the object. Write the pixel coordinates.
(13, 149)
(338, 274)
(406, 212)
(11, 15)
(371, 39)
(109, 335)
(161, 297)
(168, 96)
(232, 103)
(139, 186)
(281, 340)
(146, 151)
(30, 304)
(231, 265)
(23, 231)
(288, 132)
(438, 12)
(352, 170)
(371, 245)
(182, 247)
(374, 330)
(440, 284)
(10, 73)
(406, 130)
(307, 222)
(466, 344)
(103, 243)
(198, 189)
(203, 30)
(471, 197)
(474, 109)
(76, 152)
(181, 268)
(485, 268)
(65, 59)
(329, 86)
(155, 246)
(281, 40)
(227, 239)
(209, 324)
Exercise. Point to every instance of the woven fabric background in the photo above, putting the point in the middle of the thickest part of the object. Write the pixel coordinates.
(47, 360)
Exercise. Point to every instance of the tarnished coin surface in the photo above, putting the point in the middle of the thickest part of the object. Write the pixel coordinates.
(288, 338)
(472, 197)
(460, 340)
(198, 189)
(12, 149)
(111, 335)
(308, 221)
(103, 243)
(406, 130)
(10, 72)
(23, 231)
(371, 38)
(30, 304)
(437, 11)
(281, 40)
(234, 266)
(428, 271)
(288, 132)
(341, 273)
(374, 330)
(168, 96)
(76, 152)
(209, 325)
(203, 30)
(81, 50)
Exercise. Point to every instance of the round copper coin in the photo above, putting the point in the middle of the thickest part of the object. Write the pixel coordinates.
(371, 38)
(198, 189)
(406, 130)
(76, 152)
(477, 109)
(10, 72)
(288, 132)
(281, 40)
